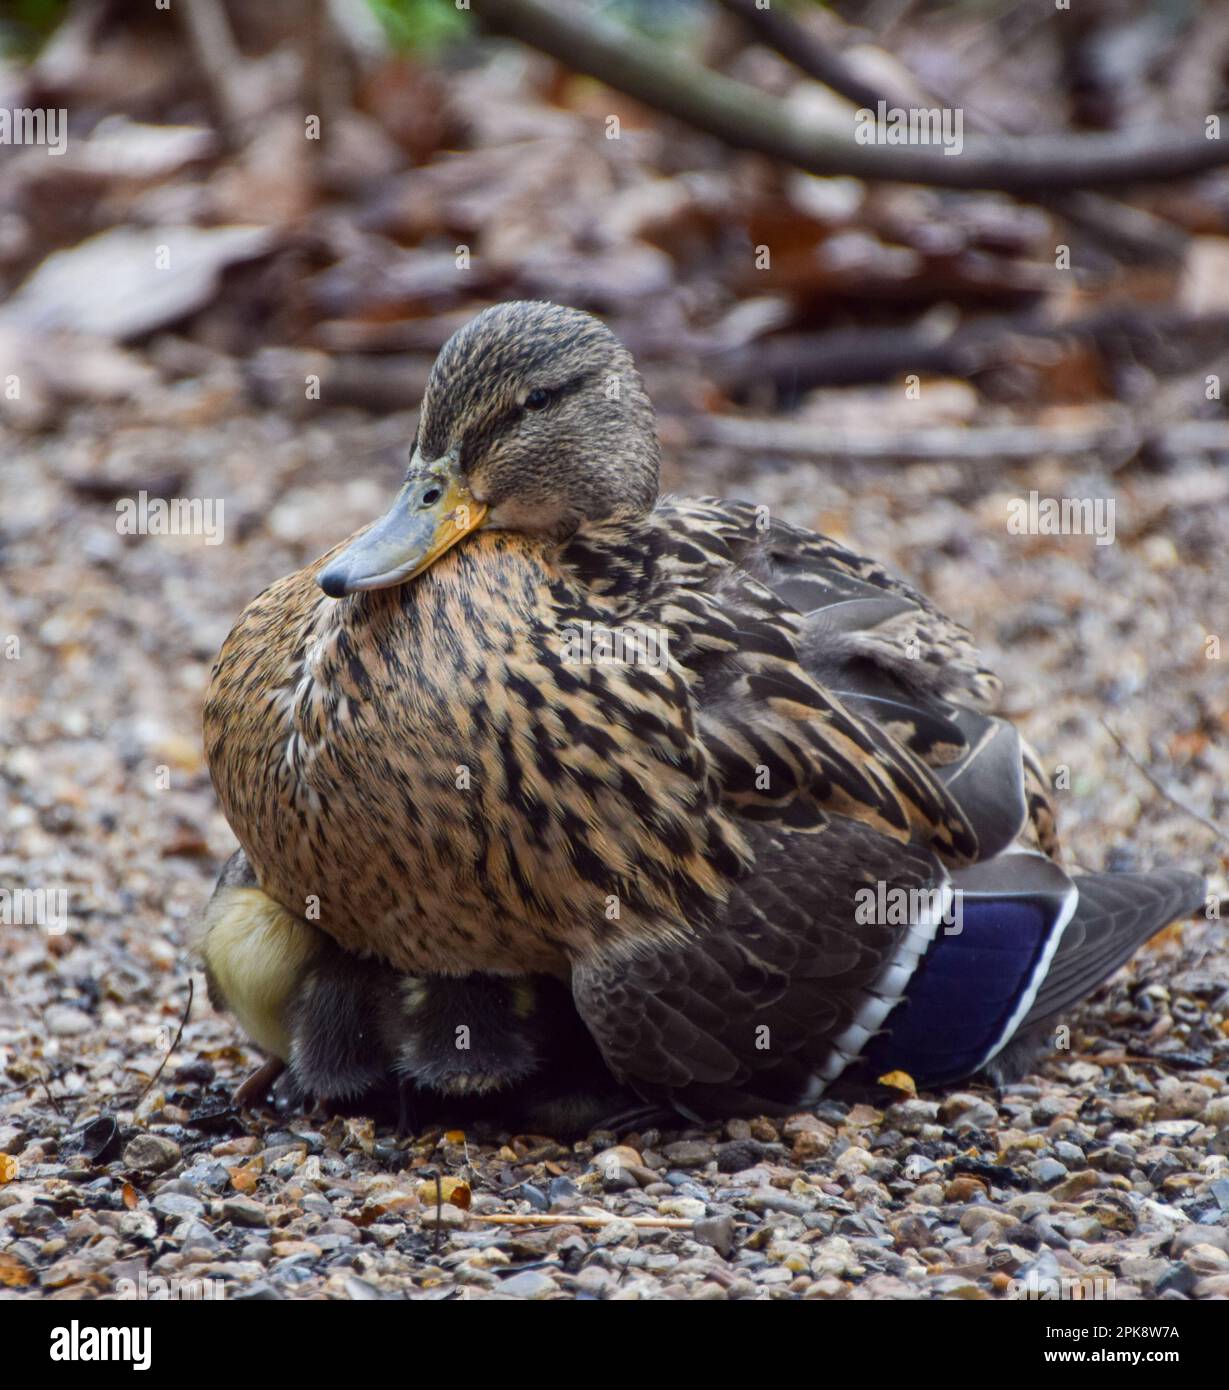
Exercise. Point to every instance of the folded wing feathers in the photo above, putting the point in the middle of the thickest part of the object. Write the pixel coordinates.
(785, 969)
(788, 748)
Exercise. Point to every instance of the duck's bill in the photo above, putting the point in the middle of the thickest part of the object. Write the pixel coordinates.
(431, 513)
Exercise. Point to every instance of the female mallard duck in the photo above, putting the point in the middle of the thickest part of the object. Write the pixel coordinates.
(733, 784)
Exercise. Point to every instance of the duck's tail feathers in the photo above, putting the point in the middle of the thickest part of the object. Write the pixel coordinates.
(1114, 915)
(1026, 943)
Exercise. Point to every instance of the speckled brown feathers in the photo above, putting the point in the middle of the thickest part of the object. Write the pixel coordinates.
(446, 777)
(424, 767)
(455, 797)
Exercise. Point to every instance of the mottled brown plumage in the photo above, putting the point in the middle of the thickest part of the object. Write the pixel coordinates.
(424, 762)
(420, 765)
(482, 815)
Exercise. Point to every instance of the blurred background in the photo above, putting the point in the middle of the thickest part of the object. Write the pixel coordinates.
(229, 283)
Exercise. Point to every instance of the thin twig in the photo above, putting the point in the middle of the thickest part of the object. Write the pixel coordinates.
(990, 444)
(439, 1212)
(55, 1104)
(666, 1223)
(1168, 796)
(1115, 436)
(174, 1042)
(805, 50)
(56, 1074)
(1118, 1059)
(218, 59)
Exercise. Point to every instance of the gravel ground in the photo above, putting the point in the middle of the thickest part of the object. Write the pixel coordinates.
(1112, 1164)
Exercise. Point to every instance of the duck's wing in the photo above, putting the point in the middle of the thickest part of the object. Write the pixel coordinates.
(794, 991)
(817, 679)
(810, 572)
(784, 748)
(887, 655)
(770, 1004)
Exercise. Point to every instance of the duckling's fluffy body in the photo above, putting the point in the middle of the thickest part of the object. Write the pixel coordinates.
(347, 1029)
(256, 954)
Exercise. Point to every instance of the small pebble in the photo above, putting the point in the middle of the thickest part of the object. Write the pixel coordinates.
(152, 1152)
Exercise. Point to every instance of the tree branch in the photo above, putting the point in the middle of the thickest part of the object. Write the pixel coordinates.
(220, 62)
(1115, 436)
(747, 119)
(1129, 232)
(846, 356)
(810, 55)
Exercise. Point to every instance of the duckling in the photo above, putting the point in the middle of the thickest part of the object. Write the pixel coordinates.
(345, 1031)
(738, 788)
(255, 955)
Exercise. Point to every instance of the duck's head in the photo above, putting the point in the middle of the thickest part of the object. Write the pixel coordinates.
(534, 420)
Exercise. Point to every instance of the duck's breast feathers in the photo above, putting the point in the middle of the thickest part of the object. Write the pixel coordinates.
(453, 751)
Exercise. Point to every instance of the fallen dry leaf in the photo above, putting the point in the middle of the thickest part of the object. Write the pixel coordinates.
(899, 1081)
(454, 1190)
(14, 1273)
(245, 1178)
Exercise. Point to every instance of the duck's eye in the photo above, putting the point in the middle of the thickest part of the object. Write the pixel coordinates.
(431, 497)
(537, 398)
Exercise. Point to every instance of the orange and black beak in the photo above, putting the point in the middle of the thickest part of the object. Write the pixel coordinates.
(432, 512)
